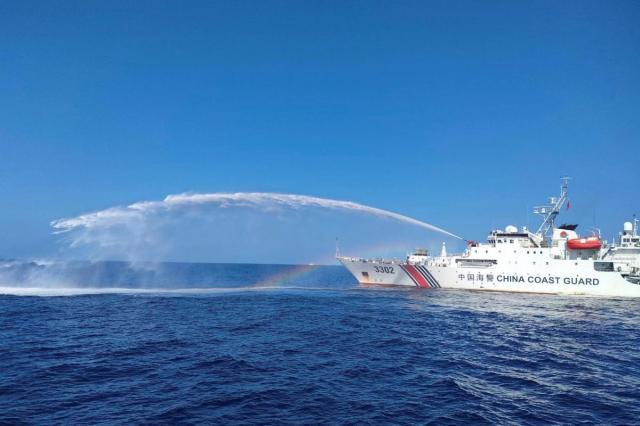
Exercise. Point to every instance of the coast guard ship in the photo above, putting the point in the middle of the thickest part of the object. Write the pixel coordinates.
(554, 259)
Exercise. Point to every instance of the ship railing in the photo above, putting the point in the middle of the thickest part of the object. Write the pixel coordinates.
(372, 260)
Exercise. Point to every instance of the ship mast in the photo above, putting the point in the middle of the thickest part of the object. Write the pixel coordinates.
(550, 212)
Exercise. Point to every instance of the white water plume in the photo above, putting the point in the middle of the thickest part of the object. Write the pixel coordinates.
(265, 200)
(183, 226)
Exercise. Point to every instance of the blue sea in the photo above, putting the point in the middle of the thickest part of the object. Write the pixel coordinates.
(118, 343)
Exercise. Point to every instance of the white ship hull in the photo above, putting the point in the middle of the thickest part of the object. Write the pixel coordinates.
(576, 277)
(554, 260)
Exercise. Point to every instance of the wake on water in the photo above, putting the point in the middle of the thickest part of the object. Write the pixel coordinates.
(163, 278)
(88, 291)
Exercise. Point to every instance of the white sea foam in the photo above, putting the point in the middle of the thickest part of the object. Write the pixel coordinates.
(65, 291)
(87, 291)
(134, 213)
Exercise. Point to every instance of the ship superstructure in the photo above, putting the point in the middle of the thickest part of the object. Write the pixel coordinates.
(554, 259)
(625, 253)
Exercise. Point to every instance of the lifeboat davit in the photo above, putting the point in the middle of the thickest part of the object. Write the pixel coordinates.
(590, 243)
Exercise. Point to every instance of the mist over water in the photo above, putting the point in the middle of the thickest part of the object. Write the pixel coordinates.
(83, 277)
(219, 226)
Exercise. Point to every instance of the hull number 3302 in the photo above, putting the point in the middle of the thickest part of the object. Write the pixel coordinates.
(384, 269)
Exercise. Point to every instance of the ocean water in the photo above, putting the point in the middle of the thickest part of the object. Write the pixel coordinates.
(113, 343)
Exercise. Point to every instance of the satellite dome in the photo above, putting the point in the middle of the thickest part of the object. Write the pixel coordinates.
(511, 229)
(628, 227)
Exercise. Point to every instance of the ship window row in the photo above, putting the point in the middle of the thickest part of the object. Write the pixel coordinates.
(515, 251)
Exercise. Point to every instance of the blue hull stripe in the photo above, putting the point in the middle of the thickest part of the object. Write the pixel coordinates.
(432, 277)
(428, 275)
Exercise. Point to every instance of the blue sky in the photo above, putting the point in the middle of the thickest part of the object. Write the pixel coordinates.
(462, 114)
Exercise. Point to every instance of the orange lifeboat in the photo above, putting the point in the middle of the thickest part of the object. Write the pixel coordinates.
(590, 243)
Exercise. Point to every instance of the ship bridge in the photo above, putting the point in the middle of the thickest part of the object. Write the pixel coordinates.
(511, 235)
(510, 245)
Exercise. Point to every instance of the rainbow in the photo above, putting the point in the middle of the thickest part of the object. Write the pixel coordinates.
(285, 276)
(297, 271)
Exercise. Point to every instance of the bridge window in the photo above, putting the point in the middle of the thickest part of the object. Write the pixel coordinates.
(603, 266)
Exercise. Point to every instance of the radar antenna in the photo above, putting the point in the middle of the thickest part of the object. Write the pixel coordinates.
(550, 212)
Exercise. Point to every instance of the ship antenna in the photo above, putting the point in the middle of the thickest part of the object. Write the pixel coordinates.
(550, 212)
(337, 248)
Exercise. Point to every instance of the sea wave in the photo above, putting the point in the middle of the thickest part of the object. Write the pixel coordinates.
(314, 348)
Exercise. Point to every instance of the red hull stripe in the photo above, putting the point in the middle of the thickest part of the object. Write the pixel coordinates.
(427, 279)
(417, 276)
(412, 279)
